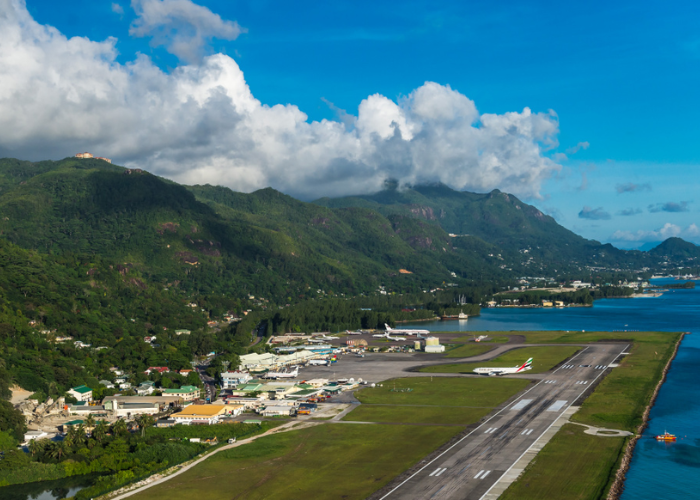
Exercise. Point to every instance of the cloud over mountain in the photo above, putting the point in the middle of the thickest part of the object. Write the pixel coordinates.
(692, 232)
(593, 213)
(200, 123)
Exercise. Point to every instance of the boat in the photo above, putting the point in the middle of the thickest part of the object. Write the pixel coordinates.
(461, 316)
(666, 437)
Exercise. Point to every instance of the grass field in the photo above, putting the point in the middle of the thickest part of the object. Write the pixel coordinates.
(544, 359)
(442, 400)
(467, 350)
(328, 461)
(573, 465)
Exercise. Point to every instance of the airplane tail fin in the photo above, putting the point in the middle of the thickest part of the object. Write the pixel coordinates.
(526, 365)
(387, 327)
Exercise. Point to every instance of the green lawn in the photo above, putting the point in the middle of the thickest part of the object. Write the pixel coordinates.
(573, 465)
(417, 414)
(442, 400)
(467, 350)
(328, 461)
(544, 359)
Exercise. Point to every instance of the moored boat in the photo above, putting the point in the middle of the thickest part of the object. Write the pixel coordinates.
(666, 437)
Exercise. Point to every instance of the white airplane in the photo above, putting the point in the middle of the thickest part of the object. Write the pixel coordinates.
(318, 362)
(395, 338)
(380, 335)
(352, 333)
(480, 338)
(495, 372)
(405, 331)
(277, 375)
(324, 337)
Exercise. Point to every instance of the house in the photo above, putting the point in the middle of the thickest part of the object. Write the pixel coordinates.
(81, 393)
(234, 378)
(32, 435)
(165, 422)
(185, 371)
(82, 408)
(107, 384)
(159, 369)
(186, 392)
(182, 332)
(83, 155)
(146, 388)
(200, 415)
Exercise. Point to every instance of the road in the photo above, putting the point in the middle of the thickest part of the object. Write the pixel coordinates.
(469, 468)
(209, 382)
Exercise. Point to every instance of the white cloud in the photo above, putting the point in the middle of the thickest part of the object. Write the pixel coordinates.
(581, 145)
(692, 232)
(183, 27)
(200, 123)
(117, 9)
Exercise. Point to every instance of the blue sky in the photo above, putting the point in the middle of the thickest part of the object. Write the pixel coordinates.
(622, 78)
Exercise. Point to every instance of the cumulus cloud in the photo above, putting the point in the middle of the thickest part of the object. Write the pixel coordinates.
(630, 211)
(200, 123)
(117, 9)
(631, 187)
(667, 231)
(581, 145)
(593, 213)
(671, 206)
(182, 27)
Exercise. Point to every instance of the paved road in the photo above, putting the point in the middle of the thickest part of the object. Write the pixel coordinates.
(470, 467)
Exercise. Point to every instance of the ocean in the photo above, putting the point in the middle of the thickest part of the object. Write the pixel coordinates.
(658, 470)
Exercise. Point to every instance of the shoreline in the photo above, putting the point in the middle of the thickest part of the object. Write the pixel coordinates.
(618, 485)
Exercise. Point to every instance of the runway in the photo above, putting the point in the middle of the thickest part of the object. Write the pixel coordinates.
(469, 468)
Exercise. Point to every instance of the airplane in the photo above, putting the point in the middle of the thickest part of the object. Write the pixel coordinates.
(480, 338)
(318, 362)
(395, 338)
(324, 337)
(380, 335)
(277, 375)
(405, 331)
(352, 333)
(496, 372)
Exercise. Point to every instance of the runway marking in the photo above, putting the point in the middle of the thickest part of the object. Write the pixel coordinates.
(434, 472)
(488, 430)
(487, 473)
(557, 405)
(478, 475)
(521, 404)
(443, 470)
(533, 443)
(530, 431)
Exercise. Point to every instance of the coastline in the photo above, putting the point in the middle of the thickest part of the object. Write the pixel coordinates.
(618, 485)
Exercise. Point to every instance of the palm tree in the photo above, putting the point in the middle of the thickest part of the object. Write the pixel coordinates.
(119, 427)
(58, 449)
(144, 421)
(80, 434)
(34, 446)
(90, 422)
(100, 431)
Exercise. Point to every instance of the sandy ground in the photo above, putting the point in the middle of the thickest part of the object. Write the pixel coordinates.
(19, 394)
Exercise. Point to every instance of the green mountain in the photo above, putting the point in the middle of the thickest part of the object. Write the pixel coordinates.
(675, 249)
(499, 219)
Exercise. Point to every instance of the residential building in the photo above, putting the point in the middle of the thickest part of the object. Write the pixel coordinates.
(81, 393)
(159, 369)
(182, 332)
(145, 388)
(277, 411)
(186, 392)
(107, 384)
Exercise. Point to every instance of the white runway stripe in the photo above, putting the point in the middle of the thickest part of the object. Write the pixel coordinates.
(443, 470)
(478, 475)
(530, 431)
(488, 430)
(487, 473)
(435, 471)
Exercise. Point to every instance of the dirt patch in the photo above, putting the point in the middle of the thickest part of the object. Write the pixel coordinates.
(19, 394)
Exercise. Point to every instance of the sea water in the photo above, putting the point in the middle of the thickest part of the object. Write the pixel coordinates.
(658, 470)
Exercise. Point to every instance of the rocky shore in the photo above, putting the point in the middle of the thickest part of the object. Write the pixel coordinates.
(619, 484)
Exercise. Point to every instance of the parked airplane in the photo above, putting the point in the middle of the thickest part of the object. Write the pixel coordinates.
(480, 338)
(318, 362)
(380, 335)
(395, 338)
(405, 331)
(494, 372)
(285, 374)
(353, 333)
(324, 337)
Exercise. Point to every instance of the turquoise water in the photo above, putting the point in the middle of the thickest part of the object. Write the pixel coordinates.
(658, 470)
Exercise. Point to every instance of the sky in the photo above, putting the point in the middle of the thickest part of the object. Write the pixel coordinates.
(586, 110)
